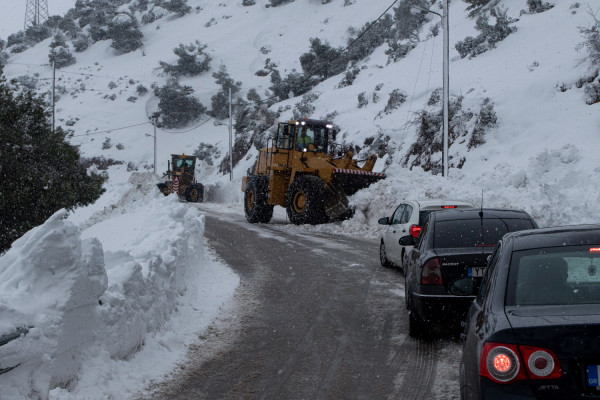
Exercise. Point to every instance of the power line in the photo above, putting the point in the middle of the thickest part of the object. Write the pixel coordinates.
(111, 130)
(190, 129)
(341, 52)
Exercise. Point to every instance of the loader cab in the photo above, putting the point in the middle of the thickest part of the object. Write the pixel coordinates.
(183, 164)
(305, 135)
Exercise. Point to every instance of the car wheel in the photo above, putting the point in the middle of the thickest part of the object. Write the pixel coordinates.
(415, 325)
(463, 386)
(383, 256)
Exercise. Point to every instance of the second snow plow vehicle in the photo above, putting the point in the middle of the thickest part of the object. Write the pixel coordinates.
(302, 172)
(181, 179)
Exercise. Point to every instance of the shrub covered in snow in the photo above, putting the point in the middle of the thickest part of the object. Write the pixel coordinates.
(125, 34)
(220, 101)
(177, 105)
(490, 34)
(193, 60)
(591, 44)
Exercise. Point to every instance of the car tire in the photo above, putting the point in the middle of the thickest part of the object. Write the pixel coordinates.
(415, 325)
(404, 262)
(383, 256)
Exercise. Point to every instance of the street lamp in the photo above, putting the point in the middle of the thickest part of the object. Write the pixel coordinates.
(446, 77)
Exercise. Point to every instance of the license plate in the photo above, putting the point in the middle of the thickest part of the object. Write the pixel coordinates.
(593, 373)
(476, 272)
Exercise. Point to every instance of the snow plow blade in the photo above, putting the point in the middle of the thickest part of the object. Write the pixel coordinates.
(351, 181)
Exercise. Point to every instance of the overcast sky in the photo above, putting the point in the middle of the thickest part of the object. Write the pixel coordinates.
(12, 17)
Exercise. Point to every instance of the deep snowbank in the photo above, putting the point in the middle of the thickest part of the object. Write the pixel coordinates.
(101, 304)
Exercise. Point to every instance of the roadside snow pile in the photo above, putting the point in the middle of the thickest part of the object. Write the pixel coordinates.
(103, 311)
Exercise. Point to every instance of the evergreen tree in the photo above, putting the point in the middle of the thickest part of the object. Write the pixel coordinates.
(177, 105)
(124, 32)
(177, 6)
(192, 60)
(220, 101)
(59, 52)
(40, 172)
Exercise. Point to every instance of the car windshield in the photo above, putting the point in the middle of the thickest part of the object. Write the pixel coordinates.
(475, 232)
(555, 276)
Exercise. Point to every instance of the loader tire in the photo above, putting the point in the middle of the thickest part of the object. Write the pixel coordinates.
(256, 206)
(194, 193)
(305, 200)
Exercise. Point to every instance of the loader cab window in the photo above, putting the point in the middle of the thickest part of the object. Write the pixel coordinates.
(312, 135)
(285, 133)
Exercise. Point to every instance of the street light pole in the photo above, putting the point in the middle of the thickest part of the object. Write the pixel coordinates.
(446, 76)
(446, 86)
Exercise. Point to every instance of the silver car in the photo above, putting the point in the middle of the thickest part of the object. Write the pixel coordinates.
(407, 219)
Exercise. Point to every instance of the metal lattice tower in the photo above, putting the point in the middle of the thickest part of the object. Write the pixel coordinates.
(36, 13)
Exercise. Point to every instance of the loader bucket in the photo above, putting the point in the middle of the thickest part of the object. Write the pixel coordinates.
(351, 181)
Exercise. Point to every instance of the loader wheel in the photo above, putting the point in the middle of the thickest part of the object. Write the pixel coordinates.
(255, 200)
(194, 193)
(305, 201)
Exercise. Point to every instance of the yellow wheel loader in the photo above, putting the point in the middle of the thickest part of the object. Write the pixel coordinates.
(180, 179)
(307, 173)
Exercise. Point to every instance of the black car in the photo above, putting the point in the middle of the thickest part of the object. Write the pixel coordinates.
(448, 262)
(533, 331)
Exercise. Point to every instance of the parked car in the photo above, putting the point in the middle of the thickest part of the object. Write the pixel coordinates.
(408, 218)
(534, 328)
(448, 261)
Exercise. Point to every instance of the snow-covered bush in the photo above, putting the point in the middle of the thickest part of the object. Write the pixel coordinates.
(193, 60)
(220, 101)
(275, 3)
(141, 90)
(125, 34)
(247, 3)
(592, 93)
(490, 34)
(591, 42)
(397, 97)
(349, 78)
(59, 52)
(322, 60)
(294, 84)
(180, 7)
(177, 105)
(305, 108)
(537, 6)
(485, 121)
(207, 153)
(81, 43)
(362, 100)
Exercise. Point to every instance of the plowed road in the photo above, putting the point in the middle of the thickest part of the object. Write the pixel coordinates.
(315, 317)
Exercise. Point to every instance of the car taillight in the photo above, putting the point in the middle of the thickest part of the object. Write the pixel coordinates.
(414, 230)
(502, 363)
(541, 363)
(448, 206)
(431, 273)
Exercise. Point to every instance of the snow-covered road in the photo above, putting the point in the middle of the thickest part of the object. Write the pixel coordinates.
(315, 316)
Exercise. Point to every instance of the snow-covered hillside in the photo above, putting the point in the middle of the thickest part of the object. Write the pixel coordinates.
(539, 155)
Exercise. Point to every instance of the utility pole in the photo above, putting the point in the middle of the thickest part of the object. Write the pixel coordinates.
(446, 75)
(154, 122)
(446, 84)
(230, 140)
(36, 13)
(53, 94)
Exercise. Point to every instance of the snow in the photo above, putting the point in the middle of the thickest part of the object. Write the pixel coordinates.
(127, 288)
(143, 256)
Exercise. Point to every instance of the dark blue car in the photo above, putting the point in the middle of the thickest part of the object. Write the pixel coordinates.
(533, 331)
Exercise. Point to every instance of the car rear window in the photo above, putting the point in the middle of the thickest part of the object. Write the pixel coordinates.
(555, 276)
(476, 232)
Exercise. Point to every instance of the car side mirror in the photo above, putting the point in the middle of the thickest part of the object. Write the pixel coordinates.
(384, 221)
(407, 240)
